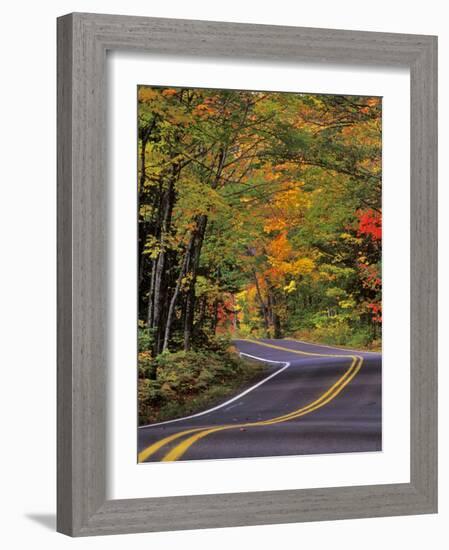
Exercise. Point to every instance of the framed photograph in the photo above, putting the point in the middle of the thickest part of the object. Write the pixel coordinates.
(247, 289)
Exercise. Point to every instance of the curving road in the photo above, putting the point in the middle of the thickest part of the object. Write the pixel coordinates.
(312, 399)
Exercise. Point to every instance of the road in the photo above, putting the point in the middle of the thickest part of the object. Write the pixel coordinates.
(312, 399)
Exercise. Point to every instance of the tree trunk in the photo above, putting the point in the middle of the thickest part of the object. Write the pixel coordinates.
(190, 303)
(263, 306)
(150, 295)
(143, 161)
(214, 321)
(274, 317)
(171, 309)
(168, 201)
(145, 135)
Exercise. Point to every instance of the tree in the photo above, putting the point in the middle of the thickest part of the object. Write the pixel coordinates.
(258, 212)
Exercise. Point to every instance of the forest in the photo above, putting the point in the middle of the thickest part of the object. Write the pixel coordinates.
(259, 217)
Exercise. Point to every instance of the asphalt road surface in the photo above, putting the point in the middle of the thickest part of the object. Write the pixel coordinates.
(312, 399)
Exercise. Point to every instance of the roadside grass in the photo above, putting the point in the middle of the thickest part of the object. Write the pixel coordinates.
(184, 383)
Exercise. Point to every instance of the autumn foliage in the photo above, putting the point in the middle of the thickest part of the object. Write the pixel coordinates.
(259, 215)
(370, 223)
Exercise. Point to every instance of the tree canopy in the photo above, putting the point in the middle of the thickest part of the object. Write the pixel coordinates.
(259, 214)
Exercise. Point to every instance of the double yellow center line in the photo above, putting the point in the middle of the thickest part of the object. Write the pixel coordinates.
(195, 434)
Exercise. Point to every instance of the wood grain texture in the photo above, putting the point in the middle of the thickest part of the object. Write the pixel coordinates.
(83, 40)
(64, 277)
(423, 282)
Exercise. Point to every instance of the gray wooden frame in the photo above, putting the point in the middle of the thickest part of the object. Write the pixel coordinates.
(83, 40)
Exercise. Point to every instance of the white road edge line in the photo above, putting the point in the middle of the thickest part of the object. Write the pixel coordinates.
(272, 375)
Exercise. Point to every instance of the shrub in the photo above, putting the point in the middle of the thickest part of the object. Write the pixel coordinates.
(361, 338)
(145, 364)
(206, 340)
(340, 332)
(187, 381)
(144, 338)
